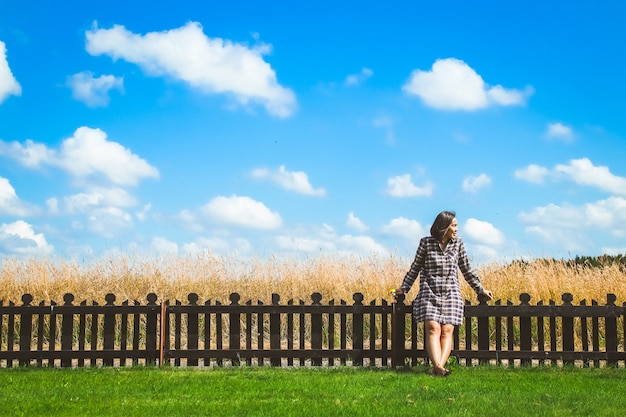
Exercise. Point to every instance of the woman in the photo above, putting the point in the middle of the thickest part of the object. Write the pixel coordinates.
(439, 304)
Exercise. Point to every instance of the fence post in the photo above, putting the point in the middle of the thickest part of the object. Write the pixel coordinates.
(483, 330)
(109, 328)
(398, 324)
(67, 328)
(234, 335)
(275, 331)
(610, 323)
(357, 328)
(316, 327)
(152, 329)
(192, 329)
(26, 326)
(568, 328)
(525, 333)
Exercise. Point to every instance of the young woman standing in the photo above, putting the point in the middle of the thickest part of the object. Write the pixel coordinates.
(439, 303)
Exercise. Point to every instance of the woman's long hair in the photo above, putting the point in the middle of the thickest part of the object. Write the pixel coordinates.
(441, 224)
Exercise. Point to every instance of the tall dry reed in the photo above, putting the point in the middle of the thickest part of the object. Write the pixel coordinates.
(215, 277)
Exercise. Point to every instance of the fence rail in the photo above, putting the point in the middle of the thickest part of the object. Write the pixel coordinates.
(297, 333)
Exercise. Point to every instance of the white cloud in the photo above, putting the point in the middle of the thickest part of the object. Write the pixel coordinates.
(98, 197)
(483, 232)
(482, 254)
(473, 184)
(141, 215)
(241, 211)
(53, 205)
(108, 221)
(451, 84)
(355, 223)
(402, 186)
(583, 172)
(163, 246)
(405, 228)
(560, 131)
(359, 78)
(580, 171)
(304, 244)
(212, 65)
(20, 238)
(614, 251)
(10, 203)
(327, 240)
(86, 154)
(237, 246)
(8, 83)
(93, 92)
(31, 155)
(360, 245)
(608, 215)
(296, 181)
(532, 173)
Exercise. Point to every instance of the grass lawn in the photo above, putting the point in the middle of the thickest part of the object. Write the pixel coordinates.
(302, 392)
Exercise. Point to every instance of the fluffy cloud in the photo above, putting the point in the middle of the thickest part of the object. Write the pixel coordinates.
(532, 173)
(87, 154)
(608, 214)
(405, 228)
(10, 203)
(98, 197)
(212, 65)
(560, 131)
(327, 240)
(356, 79)
(241, 211)
(483, 232)
(296, 181)
(8, 83)
(581, 171)
(238, 246)
(402, 186)
(571, 225)
(472, 184)
(93, 92)
(451, 84)
(108, 221)
(19, 238)
(355, 223)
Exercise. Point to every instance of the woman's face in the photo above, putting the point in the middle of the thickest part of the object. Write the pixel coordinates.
(451, 231)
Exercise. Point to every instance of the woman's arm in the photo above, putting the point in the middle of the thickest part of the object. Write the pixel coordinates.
(416, 266)
(469, 274)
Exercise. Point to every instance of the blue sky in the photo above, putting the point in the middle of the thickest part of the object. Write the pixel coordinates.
(292, 128)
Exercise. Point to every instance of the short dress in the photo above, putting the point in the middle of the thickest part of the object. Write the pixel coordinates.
(439, 298)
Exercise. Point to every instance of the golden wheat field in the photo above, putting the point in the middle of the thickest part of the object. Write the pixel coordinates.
(214, 277)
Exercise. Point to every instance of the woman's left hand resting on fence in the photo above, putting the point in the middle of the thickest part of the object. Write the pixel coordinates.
(488, 294)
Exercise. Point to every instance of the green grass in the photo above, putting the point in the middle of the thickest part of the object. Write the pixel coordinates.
(302, 392)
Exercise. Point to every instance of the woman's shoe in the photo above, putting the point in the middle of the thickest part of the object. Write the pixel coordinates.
(443, 373)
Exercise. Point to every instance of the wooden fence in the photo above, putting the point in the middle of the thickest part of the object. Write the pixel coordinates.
(302, 334)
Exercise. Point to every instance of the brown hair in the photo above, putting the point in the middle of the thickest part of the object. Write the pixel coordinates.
(441, 224)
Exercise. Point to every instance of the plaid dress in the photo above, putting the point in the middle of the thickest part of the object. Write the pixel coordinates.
(439, 298)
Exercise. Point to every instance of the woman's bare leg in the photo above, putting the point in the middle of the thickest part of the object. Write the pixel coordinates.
(433, 345)
(447, 333)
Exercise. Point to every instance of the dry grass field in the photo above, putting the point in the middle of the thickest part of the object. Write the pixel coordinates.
(215, 277)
